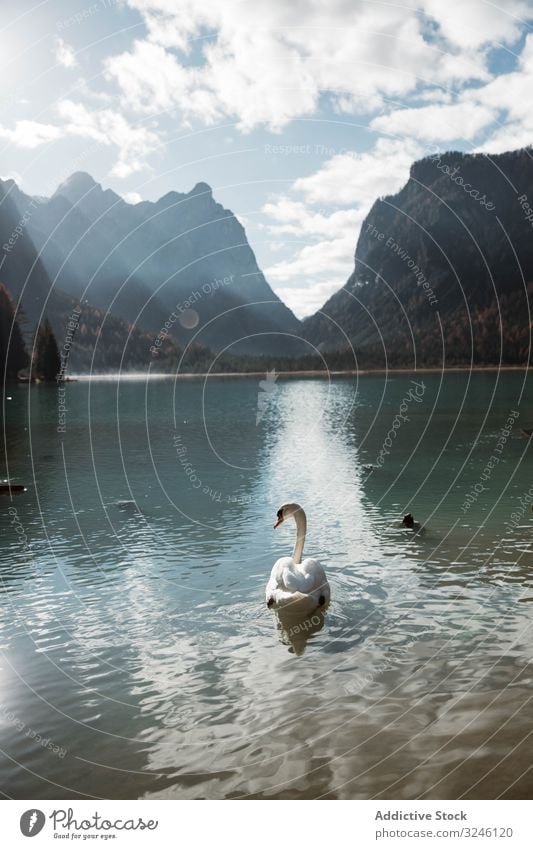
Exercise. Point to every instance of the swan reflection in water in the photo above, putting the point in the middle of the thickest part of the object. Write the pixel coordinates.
(294, 629)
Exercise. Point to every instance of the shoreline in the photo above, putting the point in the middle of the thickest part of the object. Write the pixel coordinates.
(292, 374)
(310, 373)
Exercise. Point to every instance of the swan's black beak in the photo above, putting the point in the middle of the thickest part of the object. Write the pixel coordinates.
(278, 522)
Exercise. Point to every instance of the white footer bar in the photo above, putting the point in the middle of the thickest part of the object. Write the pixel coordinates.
(264, 824)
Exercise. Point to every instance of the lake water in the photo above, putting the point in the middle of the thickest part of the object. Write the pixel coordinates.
(138, 656)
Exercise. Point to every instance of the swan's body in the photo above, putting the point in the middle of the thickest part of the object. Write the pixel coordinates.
(302, 585)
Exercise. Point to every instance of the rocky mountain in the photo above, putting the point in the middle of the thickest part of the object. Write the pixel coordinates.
(184, 254)
(20, 268)
(443, 270)
(101, 341)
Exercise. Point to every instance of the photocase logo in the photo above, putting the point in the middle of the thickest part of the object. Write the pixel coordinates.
(32, 822)
(267, 390)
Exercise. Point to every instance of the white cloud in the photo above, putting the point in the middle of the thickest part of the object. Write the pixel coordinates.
(304, 299)
(269, 62)
(510, 137)
(111, 128)
(64, 54)
(13, 175)
(30, 134)
(150, 78)
(105, 127)
(132, 197)
(332, 256)
(358, 178)
(444, 123)
(475, 23)
(500, 107)
(317, 271)
(320, 267)
(510, 95)
(296, 219)
(433, 95)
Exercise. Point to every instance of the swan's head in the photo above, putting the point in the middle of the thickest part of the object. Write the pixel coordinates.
(286, 511)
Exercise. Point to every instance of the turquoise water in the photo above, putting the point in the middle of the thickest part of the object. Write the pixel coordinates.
(138, 656)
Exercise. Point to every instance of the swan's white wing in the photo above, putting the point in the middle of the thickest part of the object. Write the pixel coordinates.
(315, 577)
(276, 583)
(298, 581)
(289, 584)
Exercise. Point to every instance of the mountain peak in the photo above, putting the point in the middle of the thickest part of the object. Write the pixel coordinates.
(77, 185)
(82, 191)
(202, 189)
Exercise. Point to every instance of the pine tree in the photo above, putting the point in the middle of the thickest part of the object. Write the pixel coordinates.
(47, 362)
(13, 356)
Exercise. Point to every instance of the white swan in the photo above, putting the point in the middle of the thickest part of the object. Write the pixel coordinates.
(302, 586)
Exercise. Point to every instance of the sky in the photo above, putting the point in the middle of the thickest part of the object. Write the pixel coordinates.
(298, 113)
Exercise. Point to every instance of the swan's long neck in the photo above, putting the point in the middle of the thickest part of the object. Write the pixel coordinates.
(301, 529)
